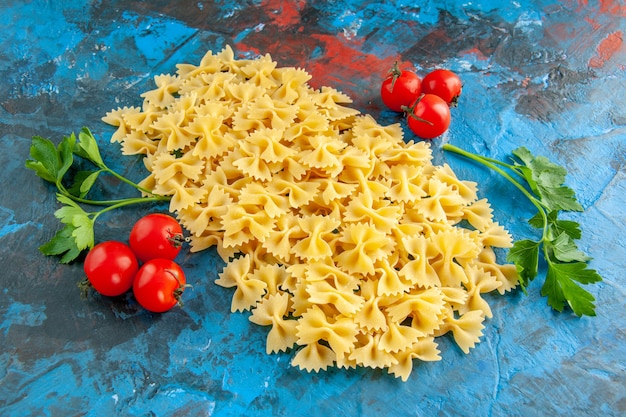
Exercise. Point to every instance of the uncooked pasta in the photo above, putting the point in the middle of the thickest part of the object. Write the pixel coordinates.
(339, 236)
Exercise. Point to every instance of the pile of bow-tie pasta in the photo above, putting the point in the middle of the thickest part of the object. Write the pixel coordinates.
(340, 237)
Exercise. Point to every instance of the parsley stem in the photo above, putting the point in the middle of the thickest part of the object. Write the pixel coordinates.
(495, 165)
(128, 202)
(102, 202)
(127, 181)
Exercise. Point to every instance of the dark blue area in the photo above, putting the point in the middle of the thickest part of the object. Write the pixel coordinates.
(529, 79)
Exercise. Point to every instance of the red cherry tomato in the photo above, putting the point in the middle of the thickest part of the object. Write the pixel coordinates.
(111, 267)
(156, 236)
(159, 284)
(429, 116)
(400, 88)
(443, 83)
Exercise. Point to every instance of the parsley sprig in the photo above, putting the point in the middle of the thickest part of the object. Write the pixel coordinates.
(54, 164)
(542, 182)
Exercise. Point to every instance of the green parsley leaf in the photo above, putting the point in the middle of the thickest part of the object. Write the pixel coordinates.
(560, 287)
(83, 182)
(62, 244)
(565, 250)
(66, 156)
(557, 226)
(83, 232)
(546, 179)
(69, 210)
(46, 161)
(525, 255)
(87, 147)
(71, 213)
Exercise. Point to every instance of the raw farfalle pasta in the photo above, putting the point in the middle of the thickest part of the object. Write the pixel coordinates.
(343, 239)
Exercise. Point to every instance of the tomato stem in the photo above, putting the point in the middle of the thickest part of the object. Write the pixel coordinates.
(178, 292)
(395, 72)
(410, 111)
(176, 239)
(85, 288)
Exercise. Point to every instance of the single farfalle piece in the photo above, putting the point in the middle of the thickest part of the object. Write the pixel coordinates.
(137, 143)
(212, 139)
(361, 245)
(166, 92)
(298, 193)
(263, 111)
(273, 311)
(249, 290)
(425, 308)
(329, 102)
(167, 166)
(418, 270)
(389, 281)
(292, 84)
(323, 154)
(479, 214)
(418, 154)
(374, 139)
(425, 349)
(140, 120)
(319, 235)
(244, 223)
(267, 143)
(172, 127)
(311, 125)
(206, 215)
(466, 189)
(325, 270)
(339, 332)
(314, 357)
(283, 236)
(370, 316)
(240, 92)
(378, 212)
(466, 329)
(184, 192)
(407, 183)
(255, 194)
(456, 247)
(325, 293)
(506, 274)
(369, 353)
(273, 275)
(398, 337)
(116, 118)
(258, 72)
(495, 235)
(209, 63)
(479, 282)
(331, 190)
(441, 202)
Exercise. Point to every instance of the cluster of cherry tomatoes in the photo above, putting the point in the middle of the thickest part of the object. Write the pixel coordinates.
(146, 264)
(426, 102)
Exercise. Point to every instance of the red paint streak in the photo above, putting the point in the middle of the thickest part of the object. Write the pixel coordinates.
(332, 60)
(606, 49)
(242, 48)
(595, 25)
(340, 63)
(613, 7)
(476, 52)
(284, 13)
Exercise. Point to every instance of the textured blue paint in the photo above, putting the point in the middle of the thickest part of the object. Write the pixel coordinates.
(527, 81)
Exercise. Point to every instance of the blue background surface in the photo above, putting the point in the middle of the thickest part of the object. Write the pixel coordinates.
(547, 75)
